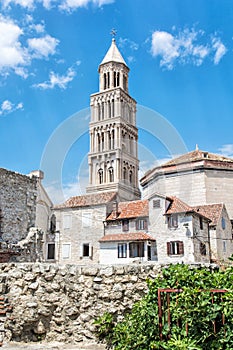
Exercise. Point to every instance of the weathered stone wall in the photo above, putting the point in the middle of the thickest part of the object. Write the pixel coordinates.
(18, 204)
(60, 302)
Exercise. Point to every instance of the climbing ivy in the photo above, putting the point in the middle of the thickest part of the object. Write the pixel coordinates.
(193, 312)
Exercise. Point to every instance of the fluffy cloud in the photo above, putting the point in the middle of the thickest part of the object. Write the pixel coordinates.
(12, 52)
(67, 5)
(43, 47)
(226, 150)
(185, 47)
(17, 56)
(56, 80)
(8, 107)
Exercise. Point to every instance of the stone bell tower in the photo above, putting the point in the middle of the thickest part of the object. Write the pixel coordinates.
(113, 157)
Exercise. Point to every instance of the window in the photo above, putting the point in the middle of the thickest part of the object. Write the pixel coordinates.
(125, 225)
(223, 223)
(100, 173)
(202, 248)
(86, 250)
(122, 250)
(131, 176)
(141, 224)
(111, 174)
(67, 221)
(156, 203)
(51, 251)
(66, 251)
(136, 250)
(224, 246)
(172, 221)
(53, 224)
(201, 223)
(86, 219)
(175, 248)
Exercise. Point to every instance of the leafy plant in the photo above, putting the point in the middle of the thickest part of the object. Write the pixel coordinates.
(200, 318)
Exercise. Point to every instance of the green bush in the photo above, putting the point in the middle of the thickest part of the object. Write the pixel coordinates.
(192, 311)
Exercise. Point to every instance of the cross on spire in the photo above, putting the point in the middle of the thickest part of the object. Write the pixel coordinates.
(113, 33)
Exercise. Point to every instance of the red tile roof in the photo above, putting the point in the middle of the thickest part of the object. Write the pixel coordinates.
(139, 236)
(133, 209)
(195, 156)
(88, 199)
(211, 211)
(177, 206)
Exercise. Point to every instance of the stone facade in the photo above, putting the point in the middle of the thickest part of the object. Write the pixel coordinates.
(197, 177)
(18, 195)
(25, 207)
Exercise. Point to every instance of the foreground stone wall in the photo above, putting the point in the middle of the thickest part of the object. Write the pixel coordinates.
(60, 302)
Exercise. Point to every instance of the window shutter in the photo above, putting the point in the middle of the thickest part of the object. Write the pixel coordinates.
(90, 250)
(145, 224)
(137, 224)
(168, 248)
(181, 247)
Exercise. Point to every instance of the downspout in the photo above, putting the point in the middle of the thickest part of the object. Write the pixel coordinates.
(210, 256)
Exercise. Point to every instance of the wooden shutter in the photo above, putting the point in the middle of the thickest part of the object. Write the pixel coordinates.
(137, 224)
(168, 248)
(145, 224)
(180, 247)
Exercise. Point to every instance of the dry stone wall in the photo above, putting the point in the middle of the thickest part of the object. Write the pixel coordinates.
(60, 302)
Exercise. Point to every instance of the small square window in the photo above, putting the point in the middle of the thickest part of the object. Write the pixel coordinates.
(141, 224)
(223, 223)
(224, 246)
(65, 251)
(201, 223)
(202, 248)
(85, 250)
(156, 203)
(172, 221)
(125, 225)
(51, 251)
(175, 248)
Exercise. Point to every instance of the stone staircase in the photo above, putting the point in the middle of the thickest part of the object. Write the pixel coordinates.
(5, 309)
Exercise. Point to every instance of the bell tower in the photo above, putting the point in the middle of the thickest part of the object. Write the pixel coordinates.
(113, 157)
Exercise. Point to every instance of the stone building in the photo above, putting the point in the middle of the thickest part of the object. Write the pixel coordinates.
(113, 165)
(24, 205)
(79, 222)
(127, 238)
(113, 156)
(196, 178)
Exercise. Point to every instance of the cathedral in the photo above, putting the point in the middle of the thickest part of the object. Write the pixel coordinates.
(185, 214)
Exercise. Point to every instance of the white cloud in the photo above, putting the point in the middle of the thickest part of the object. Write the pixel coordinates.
(12, 52)
(56, 80)
(185, 47)
(8, 107)
(23, 3)
(220, 50)
(69, 5)
(226, 150)
(43, 47)
(128, 43)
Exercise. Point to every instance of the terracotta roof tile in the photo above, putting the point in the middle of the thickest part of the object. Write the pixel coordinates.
(139, 236)
(195, 156)
(133, 209)
(88, 199)
(177, 206)
(211, 211)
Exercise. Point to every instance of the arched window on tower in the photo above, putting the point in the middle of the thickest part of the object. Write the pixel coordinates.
(113, 109)
(105, 81)
(124, 174)
(109, 109)
(101, 176)
(124, 82)
(114, 79)
(113, 140)
(102, 110)
(118, 79)
(99, 112)
(111, 174)
(99, 142)
(108, 80)
(102, 141)
(131, 176)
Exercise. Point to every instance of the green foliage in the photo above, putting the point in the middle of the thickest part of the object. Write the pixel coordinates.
(193, 312)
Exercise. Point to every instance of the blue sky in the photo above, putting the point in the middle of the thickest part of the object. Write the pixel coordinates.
(180, 54)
